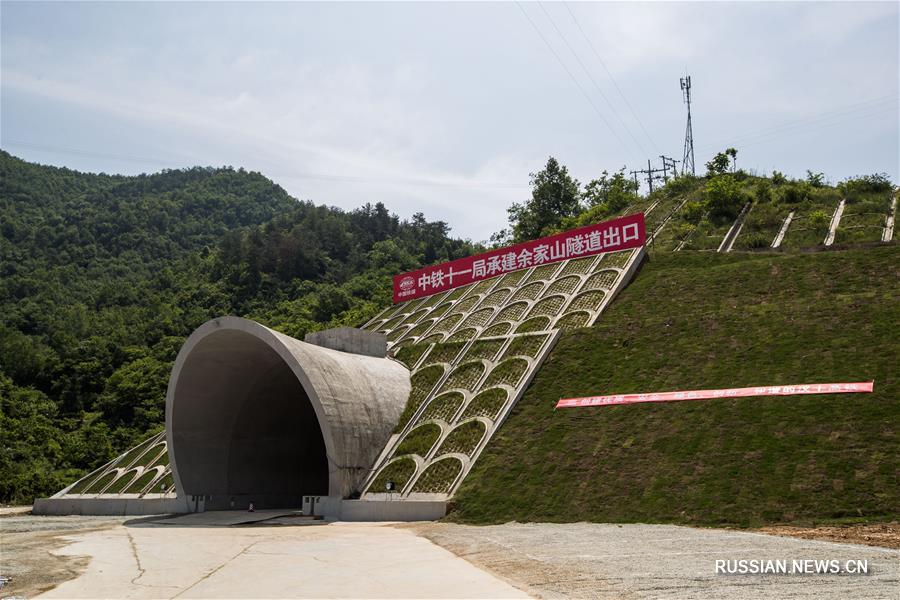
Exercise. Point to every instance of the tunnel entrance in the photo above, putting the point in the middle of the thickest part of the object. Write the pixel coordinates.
(243, 427)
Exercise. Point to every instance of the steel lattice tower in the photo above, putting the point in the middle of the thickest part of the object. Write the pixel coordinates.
(688, 158)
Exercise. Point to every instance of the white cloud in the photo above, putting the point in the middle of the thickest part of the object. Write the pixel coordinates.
(430, 106)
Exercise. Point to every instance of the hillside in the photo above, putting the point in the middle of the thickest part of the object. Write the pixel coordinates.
(102, 277)
(692, 320)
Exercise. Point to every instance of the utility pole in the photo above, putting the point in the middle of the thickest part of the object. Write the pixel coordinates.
(688, 158)
(650, 175)
(669, 163)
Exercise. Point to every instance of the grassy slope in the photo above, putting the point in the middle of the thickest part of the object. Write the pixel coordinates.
(700, 320)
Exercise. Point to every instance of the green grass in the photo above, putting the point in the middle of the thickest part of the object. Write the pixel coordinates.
(97, 486)
(533, 324)
(465, 376)
(573, 320)
(498, 329)
(422, 383)
(410, 355)
(443, 406)
(486, 404)
(614, 260)
(580, 266)
(708, 235)
(419, 441)
(509, 371)
(863, 221)
(526, 345)
(142, 482)
(438, 477)
(486, 349)
(446, 352)
(122, 482)
(463, 335)
(463, 439)
(701, 320)
(398, 471)
(761, 225)
(662, 210)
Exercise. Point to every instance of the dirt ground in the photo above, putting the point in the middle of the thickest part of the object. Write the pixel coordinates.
(27, 545)
(886, 535)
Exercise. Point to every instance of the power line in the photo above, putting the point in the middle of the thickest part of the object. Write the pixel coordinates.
(816, 120)
(669, 163)
(591, 77)
(89, 153)
(274, 173)
(651, 174)
(566, 69)
(810, 128)
(611, 78)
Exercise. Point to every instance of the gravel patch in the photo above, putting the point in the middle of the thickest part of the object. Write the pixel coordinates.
(580, 560)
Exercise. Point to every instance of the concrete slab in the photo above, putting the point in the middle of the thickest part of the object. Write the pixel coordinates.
(150, 560)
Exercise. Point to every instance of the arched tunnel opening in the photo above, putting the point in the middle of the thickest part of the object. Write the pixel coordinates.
(243, 428)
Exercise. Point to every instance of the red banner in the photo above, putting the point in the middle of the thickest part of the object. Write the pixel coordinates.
(778, 390)
(617, 234)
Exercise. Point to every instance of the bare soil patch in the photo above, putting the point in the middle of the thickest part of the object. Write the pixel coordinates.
(26, 550)
(886, 535)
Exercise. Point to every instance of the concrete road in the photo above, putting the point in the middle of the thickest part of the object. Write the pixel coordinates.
(200, 556)
(588, 560)
(310, 561)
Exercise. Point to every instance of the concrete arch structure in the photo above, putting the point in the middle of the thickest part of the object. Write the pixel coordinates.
(255, 415)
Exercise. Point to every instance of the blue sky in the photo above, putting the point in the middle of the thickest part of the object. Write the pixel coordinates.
(446, 108)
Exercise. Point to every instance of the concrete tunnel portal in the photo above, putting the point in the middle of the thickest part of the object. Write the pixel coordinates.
(254, 415)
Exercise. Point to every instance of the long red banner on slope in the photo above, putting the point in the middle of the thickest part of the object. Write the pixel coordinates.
(617, 234)
(778, 390)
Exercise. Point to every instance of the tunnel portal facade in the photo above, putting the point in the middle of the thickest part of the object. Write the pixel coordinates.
(253, 415)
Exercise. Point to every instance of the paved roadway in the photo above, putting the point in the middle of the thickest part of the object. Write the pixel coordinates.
(308, 561)
(203, 557)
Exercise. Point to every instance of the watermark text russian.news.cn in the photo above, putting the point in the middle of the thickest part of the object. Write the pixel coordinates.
(801, 566)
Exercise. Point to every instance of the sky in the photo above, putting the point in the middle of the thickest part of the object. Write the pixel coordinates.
(445, 108)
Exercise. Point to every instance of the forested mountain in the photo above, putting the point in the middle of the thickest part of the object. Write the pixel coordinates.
(103, 276)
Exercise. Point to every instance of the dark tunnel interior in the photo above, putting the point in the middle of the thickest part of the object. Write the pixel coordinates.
(243, 427)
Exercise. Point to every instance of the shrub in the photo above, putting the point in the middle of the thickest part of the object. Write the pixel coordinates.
(819, 219)
(724, 198)
(763, 191)
(795, 193)
(692, 211)
(757, 241)
(856, 188)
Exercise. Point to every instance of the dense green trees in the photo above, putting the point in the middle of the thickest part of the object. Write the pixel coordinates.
(558, 202)
(555, 195)
(102, 277)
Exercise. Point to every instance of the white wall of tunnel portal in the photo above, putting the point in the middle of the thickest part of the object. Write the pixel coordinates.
(252, 414)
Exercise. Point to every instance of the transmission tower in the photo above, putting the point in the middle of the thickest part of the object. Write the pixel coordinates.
(688, 158)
